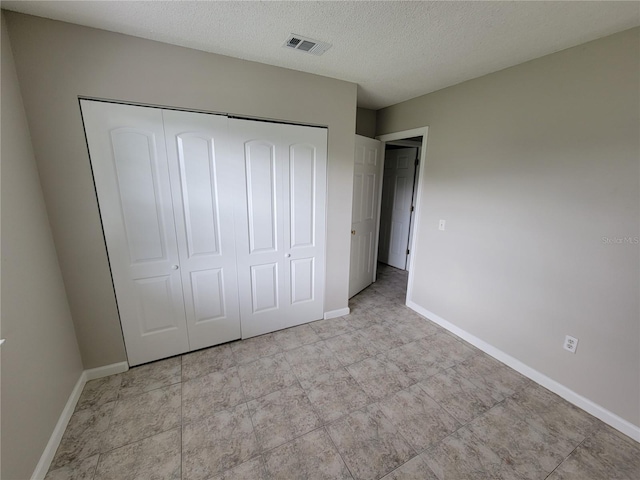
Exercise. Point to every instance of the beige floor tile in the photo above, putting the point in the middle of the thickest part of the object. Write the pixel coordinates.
(369, 443)
(217, 443)
(246, 351)
(462, 456)
(145, 378)
(414, 327)
(311, 360)
(457, 395)
(362, 317)
(100, 391)
(378, 377)
(282, 416)
(547, 411)
(335, 394)
(310, 457)
(154, 457)
(351, 347)
(419, 418)
(331, 327)
(211, 393)
(295, 337)
(414, 469)
(414, 361)
(84, 469)
(251, 470)
(522, 448)
(86, 435)
(492, 375)
(266, 375)
(606, 454)
(384, 336)
(202, 362)
(142, 416)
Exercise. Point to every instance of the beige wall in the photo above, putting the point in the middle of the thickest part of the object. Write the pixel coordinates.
(366, 122)
(40, 360)
(531, 167)
(57, 62)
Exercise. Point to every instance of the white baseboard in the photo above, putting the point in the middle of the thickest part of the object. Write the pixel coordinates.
(54, 441)
(578, 400)
(341, 312)
(105, 371)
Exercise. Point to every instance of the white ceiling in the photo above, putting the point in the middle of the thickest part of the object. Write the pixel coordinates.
(393, 50)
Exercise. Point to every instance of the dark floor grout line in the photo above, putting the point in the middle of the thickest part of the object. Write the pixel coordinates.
(181, 454)
(567, 457)
(326, 431)
(181, 421)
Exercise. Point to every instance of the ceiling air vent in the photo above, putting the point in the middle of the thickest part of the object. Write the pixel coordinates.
(308, 45)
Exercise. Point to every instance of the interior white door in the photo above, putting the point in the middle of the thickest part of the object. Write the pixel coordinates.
(367, 182)
(397, 197)
(203, 202)
(129, 161)
(281, 214)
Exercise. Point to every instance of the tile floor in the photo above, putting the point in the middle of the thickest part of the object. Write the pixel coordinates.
(380, 393)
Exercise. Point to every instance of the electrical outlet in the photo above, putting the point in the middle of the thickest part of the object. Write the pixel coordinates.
(570, 343)
(441, 225)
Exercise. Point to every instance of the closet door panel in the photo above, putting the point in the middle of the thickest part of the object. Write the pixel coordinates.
(203, 199)
(129, 162)
(157, 302)
(302, 280)
(264, 287)
(199, 184)
(256, 149)
(135, 161)
(208, 295)
(260, 164)
(304, 174)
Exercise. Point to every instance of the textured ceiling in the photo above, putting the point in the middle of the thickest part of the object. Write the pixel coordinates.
(393, 50)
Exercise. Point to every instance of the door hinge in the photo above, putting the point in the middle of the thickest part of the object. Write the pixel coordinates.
(407, 251)
(411, 210)
(417, 161)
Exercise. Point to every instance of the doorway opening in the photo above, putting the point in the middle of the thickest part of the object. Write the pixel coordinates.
(412, 136)
(401, 165)
(386, 198)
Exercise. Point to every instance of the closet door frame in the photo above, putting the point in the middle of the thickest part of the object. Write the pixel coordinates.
(236, 180)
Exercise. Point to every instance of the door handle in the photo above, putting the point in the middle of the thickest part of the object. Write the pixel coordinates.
(174, 267)
(287, 255)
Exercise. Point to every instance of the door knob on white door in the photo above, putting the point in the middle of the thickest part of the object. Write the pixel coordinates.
(287, 255)
(174, 267)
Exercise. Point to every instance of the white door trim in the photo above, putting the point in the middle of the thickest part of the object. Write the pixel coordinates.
(415, 132)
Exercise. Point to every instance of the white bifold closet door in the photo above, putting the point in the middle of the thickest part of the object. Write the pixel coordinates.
(280, 223)
(189, 207)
